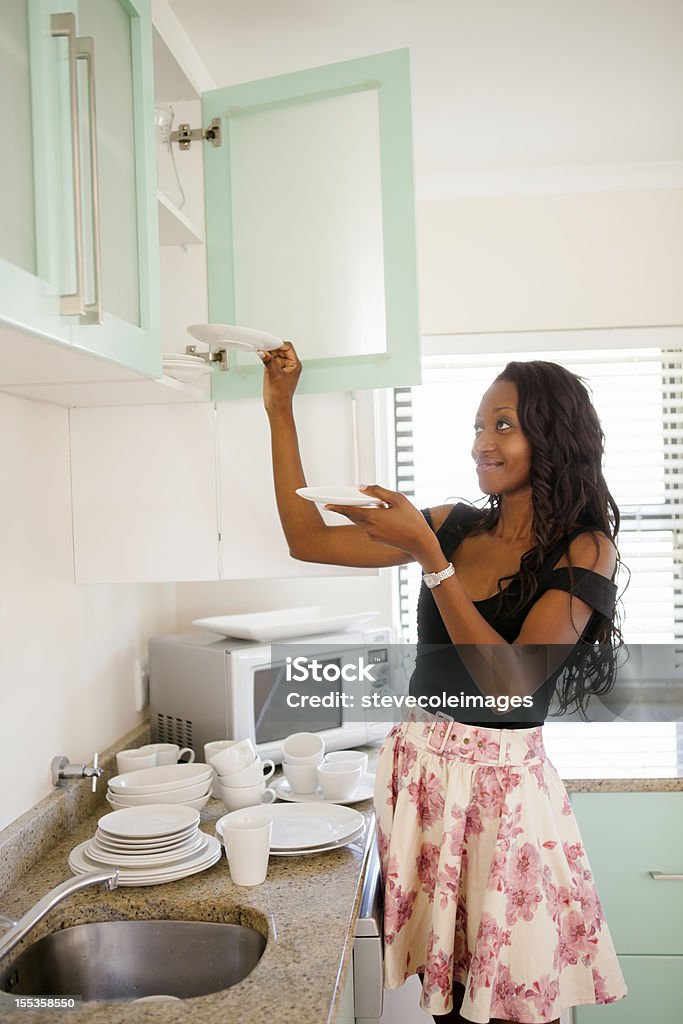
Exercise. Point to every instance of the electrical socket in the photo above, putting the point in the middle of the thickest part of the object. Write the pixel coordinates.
(140, 685)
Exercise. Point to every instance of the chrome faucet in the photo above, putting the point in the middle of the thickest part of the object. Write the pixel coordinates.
(63, 769)
(107, 878)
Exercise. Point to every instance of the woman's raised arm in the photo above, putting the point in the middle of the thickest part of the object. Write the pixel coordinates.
(309, 538)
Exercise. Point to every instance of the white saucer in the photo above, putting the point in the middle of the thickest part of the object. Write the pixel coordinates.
(338, 494)
(231, 336)
(366, 788)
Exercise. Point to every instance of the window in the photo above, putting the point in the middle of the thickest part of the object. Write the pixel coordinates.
(638, 393)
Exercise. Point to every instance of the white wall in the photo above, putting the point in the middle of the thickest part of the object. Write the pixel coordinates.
(66, 651)
(551, 262)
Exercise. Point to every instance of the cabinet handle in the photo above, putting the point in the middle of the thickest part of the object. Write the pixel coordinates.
(660, 876)
(92, 313)
(64, 25)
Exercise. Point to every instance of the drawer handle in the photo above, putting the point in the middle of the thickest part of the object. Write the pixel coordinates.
(660, 876)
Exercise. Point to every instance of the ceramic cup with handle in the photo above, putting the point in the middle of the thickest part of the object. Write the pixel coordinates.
(210, 750)
(232, 758)
(303, 778)
(169, 753)
(303, 748)
(247, 846)
(349, 755)
(256, 772)
(131, 760)
(339, 780)
(236, 797)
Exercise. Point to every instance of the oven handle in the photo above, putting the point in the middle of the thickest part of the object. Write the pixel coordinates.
(369, 921)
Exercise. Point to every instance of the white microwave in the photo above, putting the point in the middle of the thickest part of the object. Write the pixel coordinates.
(204, 688)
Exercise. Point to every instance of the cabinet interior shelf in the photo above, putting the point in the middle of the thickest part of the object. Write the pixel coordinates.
(174, 226)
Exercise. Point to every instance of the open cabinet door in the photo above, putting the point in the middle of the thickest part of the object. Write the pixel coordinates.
(311, 223)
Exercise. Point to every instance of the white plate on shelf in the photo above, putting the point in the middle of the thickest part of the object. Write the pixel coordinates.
(301, 826)
(283, 623)
(338, 494)
(231, 336)
(145, 860)
(365, 790)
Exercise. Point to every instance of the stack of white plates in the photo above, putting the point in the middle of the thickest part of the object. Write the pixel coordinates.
(185, 368)
(301, 829)
(188, 784)
(149, 845)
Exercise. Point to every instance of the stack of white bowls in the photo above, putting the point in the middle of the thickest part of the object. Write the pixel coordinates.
(188, 784)
(241, 776)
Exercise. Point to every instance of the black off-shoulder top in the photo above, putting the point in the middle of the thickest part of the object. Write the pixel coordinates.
(438, 665)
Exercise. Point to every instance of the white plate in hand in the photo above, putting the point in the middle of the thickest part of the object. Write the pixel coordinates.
(231, 336)
(338, 494)
(283, 623)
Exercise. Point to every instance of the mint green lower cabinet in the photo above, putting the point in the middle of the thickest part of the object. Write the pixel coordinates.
(655, 993)
(627, 837)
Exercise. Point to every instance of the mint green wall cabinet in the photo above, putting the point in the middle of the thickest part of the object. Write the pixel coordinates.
(310, 218)
(627, 836)
(86, 104)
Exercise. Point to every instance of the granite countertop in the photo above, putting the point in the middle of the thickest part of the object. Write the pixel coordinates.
(306, 908)
(303, 901)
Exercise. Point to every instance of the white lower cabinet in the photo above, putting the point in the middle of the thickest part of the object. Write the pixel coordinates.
(174, 493)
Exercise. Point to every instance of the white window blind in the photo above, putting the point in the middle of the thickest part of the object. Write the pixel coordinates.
(638, 394)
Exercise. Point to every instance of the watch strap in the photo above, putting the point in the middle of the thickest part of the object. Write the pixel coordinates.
(433, 579)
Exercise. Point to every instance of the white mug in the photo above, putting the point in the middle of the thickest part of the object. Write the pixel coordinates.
(303, 778)
(131, 760)
(236, 797)
(349, 755)
(339, 779)
(247, 846)
(210, 750)
(168, 753)
(303, 748)
(239, 754)
(256, 772)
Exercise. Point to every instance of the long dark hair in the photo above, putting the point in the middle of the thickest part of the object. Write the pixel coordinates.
(568, 488)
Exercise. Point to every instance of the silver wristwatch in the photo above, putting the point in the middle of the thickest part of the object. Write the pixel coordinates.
(432, 579)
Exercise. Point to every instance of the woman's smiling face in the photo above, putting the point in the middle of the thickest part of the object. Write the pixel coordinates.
(500, 450)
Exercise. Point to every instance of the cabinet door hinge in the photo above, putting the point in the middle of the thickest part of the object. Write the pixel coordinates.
(185, 135)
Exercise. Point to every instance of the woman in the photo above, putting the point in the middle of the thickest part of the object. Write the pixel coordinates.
(488, 893)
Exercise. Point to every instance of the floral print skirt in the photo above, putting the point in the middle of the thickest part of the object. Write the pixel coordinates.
(486, 881)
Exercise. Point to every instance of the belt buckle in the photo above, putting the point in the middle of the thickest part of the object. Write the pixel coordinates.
(438, 718)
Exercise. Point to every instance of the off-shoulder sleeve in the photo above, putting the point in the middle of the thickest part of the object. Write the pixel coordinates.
(596, 590)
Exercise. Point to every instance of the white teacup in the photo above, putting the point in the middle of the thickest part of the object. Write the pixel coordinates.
(349, 755)
(303, 778)
(257, 771)
(339, 779)
(236, 797)
(247, 846)
(131, 760)
(239, 754)
(303, 748)
(210, 750)
(168, 753)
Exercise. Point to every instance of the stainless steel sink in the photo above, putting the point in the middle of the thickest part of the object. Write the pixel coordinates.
(125, 960)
